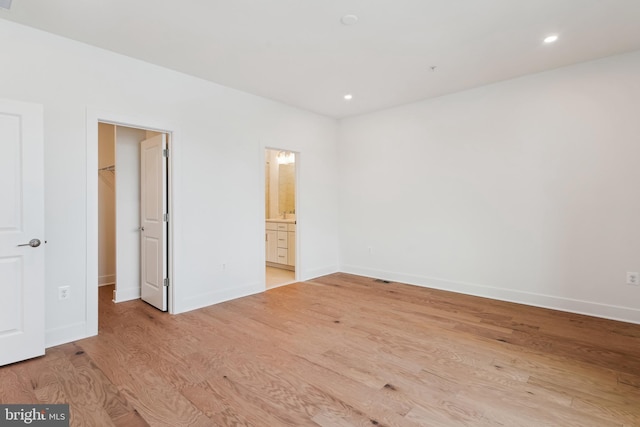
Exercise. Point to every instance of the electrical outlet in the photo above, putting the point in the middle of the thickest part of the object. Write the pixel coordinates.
(63, 292)
(370, 249)
(633, 278)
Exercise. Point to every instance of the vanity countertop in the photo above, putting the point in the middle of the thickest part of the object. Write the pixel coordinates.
(285, 221)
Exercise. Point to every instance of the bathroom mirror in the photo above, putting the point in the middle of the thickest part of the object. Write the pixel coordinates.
(287, 188)
(280, 187)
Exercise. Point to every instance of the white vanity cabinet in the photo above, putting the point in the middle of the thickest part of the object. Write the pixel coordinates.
(280, 243)
(271, 242)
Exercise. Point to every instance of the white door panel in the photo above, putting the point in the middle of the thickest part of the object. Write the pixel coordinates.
(153, 206)
(21, 220)
(11, 269)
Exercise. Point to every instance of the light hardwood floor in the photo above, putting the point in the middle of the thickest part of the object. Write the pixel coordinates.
(341, 350)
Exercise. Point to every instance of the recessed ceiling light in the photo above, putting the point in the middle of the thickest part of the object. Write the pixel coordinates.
(550, 39)
(349, 19)
(348, 97)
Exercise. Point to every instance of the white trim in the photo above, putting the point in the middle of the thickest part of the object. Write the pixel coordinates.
(91, 253)
(263, 258)
(606, 311)
(299, 226)
(65, 334)
(93, 117)
(298, 265)
(279, 285)
(317, 272)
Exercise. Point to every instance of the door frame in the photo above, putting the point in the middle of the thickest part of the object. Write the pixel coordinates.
(95, 116)
(263, 158)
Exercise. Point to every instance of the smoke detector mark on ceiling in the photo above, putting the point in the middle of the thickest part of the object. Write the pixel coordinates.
(349, 19)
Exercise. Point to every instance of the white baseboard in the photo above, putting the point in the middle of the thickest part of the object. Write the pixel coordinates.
(66, 334)
(107, 279)
(317, 272)
(216, 297)
(127, 294)
(613, 312)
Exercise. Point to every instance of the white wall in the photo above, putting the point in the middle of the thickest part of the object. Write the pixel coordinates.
(128, 211)
(106, 206)
(526, 190)
(523, 190)
(223, 133)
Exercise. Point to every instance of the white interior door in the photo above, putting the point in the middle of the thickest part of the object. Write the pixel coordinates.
(153, 224)
(21, 223)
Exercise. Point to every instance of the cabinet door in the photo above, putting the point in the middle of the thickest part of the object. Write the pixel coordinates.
(272, 245)
(283, 239)
(291, 254)
(282, 256)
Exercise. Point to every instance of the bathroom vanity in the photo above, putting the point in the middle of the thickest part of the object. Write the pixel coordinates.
(280, 243)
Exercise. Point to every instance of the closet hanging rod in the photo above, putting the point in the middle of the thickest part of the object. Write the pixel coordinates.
(110, 168)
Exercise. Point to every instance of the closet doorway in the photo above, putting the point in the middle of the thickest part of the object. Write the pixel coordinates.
(133, 215)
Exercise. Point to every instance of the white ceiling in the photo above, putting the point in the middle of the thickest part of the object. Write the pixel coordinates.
(298, 52)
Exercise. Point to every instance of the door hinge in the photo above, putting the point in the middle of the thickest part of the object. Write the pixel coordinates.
(165, 152)
(166, 282)
(165, 217)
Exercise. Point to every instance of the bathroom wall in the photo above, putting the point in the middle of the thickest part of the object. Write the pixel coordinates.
(272, 191)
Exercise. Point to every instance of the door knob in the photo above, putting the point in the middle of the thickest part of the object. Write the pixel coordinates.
(140, 228)
(34, 243)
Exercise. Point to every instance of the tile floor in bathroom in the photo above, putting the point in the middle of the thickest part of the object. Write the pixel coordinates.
(279, 276)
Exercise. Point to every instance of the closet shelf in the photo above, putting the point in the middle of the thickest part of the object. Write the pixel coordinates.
(111, 168)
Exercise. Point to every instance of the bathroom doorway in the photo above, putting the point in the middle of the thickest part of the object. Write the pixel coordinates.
(280, 217)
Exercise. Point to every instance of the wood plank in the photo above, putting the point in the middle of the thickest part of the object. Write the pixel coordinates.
(341, 350)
